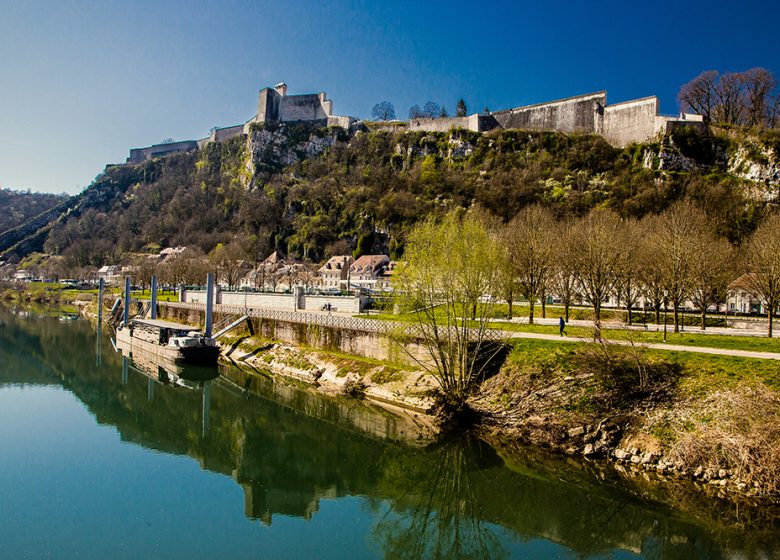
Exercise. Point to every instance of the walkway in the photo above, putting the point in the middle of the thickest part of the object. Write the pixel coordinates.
(384, 327)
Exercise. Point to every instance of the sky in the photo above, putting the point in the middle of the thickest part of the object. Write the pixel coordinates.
(81, 82)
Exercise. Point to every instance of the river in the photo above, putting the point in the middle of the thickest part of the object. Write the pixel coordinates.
(99, 459)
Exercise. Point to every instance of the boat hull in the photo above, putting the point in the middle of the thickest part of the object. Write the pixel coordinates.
(195, 355)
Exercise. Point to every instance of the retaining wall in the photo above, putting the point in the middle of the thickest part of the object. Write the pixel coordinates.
(582, 113)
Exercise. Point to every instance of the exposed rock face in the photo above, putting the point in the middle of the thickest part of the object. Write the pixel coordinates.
(760, 165)
(283, 145)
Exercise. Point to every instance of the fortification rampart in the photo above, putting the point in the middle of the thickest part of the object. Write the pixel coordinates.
(137, 155)
(631, 121)
(582, 113)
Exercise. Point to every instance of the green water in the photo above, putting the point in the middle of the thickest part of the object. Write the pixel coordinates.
(98, 460)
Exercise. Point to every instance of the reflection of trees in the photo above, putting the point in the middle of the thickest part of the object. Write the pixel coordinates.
(436, 514)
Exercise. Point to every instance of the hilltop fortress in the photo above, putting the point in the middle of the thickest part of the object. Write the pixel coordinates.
(638, 120)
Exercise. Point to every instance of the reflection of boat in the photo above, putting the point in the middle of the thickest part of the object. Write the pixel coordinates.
(69, 316)
(167, 372)
(167, 341)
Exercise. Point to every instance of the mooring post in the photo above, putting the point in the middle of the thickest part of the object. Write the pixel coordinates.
(209, 303)
(101, 287)
(126, 319)
(154, 297)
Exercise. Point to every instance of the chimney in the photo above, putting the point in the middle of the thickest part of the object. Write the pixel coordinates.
(281, 88)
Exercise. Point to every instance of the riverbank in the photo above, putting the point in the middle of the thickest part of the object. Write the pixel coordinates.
(711, 420)
(708, 421)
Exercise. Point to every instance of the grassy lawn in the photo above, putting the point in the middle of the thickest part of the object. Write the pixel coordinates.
(161, 296)
(702, 373)
(729, 342)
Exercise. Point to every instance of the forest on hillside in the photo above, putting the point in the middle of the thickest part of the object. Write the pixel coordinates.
(16, 207)
(363, 192)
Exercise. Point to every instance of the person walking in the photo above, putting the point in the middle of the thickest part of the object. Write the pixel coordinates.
(562, 325)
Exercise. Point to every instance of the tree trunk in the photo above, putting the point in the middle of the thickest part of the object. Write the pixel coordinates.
(544, 306)
(676, 319)
(657, 314)
(703, 318)
(630, 319)
(597, 321)
(771, 314)
(566, 310)
(509, 315)
(531, 311)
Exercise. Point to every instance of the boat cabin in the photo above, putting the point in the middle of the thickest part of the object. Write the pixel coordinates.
(158, 331)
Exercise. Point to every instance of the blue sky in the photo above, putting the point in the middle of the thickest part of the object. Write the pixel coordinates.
(81, 82)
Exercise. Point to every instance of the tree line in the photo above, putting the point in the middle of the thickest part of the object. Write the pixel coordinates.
(666, 258)
(747, 98)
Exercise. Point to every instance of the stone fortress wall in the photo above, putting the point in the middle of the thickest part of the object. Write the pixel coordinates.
(273, 106)
(621, 124)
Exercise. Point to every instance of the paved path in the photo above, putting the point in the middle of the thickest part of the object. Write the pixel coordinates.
(653, 346)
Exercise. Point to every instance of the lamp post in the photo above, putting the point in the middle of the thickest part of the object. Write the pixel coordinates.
(666, 300)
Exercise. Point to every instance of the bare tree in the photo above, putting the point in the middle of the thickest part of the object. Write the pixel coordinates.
(227, 261)
(596, 258)
(677, 232)
(758, 85)
(627, 286)
(698, 96)
(712, 273)
(650, 271)
(730, 103)
(563, 282)
(763, 264)
(530, 240)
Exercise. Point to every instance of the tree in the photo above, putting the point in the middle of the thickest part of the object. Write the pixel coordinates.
(744, 98)
(676, 234)
(758, 85)
(450, 266)
(431, 110)
(415, 112)
(226, 260)
(595, 254)
(698, 95)
(530, 240)
(627, 286)
(383, 111)
(460, 108)
(712, 273)
(443, 114)
(762, 258)
(143, 269)
(562, 281)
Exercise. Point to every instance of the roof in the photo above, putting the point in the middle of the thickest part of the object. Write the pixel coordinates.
(369, 263)
(336, 263)
(159, 323)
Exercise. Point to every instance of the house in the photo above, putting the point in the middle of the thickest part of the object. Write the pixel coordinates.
(335, 272)
(384, 281)
(741, 297)
(24, 275)
(110, 274)
(367, 270)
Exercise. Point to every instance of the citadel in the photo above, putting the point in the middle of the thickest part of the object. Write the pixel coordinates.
(638, 120)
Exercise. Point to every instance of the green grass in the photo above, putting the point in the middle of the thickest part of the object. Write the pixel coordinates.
(702, 373)
(161, 296)
(688, 338)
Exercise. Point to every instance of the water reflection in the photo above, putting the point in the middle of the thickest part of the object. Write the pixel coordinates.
(290, 448)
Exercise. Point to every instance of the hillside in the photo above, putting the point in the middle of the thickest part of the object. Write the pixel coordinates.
(17, 207)
(313, 192)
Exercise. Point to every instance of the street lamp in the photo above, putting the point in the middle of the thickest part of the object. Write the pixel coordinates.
(666, 300)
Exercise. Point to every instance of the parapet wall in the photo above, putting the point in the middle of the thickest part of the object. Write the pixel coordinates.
(476, 122)
(299, 301)
(137, 155)
(582, 113)
(632, 121)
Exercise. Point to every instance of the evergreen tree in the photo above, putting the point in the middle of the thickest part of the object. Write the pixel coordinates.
(460, 109)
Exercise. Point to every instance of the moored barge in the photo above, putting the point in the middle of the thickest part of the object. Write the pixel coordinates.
(174, 342)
